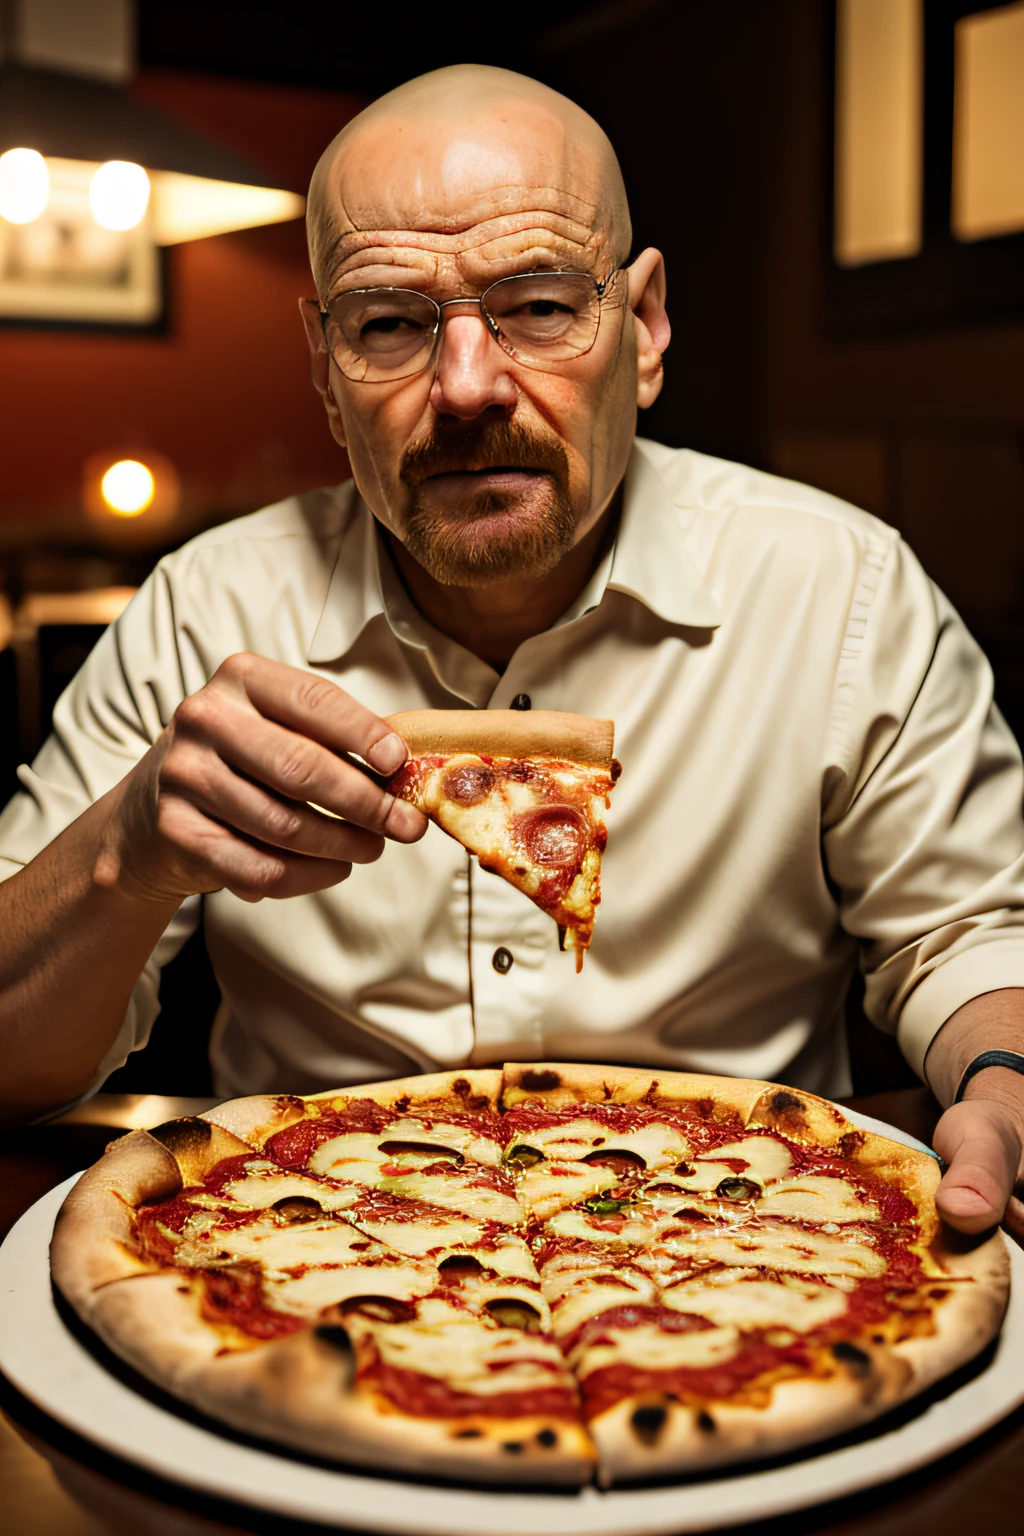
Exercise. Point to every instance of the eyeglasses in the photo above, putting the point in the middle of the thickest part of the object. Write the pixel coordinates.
(541, 319)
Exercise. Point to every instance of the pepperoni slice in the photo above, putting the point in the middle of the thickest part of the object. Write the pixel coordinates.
(469, 785)
(553, 835)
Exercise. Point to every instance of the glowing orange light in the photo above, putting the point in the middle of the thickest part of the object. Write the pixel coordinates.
(128, 488)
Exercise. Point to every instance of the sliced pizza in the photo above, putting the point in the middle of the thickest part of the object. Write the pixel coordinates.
(535, 1273)
(526, 792)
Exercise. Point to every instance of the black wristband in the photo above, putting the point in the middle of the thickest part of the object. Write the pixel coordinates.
(1010, 1059)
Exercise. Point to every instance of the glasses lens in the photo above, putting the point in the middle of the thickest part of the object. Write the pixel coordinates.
(380, 333)
(545, 316)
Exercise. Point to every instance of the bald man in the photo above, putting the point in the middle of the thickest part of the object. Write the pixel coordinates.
(812, 764)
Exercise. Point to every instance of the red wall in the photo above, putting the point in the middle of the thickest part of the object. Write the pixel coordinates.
(225, 395)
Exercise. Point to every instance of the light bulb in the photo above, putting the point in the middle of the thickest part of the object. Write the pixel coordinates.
(24, 185)
(128, 487)
(119, 195)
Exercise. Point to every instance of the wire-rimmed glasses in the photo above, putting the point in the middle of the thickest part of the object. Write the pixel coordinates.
(541, 319)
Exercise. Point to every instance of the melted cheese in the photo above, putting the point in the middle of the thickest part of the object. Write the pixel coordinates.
(767, 1159)
(262, 1189)
(453, 1190)
(819, 1199)
(734, 1297)
(550, 1186)
(775, 1245)
(277, 1247)
(658, 1145)
(649, 1349)
(510, 1256)
(419, 1236)
(309, 1293)
(441, 1133)
(354, 1158)
(452, 1345)
(589, 1298)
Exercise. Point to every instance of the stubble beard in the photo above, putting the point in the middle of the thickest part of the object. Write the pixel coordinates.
(495, 533)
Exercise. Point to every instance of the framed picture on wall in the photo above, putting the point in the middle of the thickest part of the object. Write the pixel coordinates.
(64, 269)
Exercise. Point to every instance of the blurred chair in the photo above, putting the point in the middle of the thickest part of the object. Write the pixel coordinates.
(53, 633)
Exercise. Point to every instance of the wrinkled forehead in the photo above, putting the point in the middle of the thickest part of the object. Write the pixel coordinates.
(462, 198)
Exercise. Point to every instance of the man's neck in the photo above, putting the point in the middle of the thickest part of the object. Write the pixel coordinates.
(492, 621)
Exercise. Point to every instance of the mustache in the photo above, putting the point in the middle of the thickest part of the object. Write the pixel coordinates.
(449, 451)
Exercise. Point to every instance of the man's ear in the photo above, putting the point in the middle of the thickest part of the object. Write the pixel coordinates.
(646, 299)
(320, 366)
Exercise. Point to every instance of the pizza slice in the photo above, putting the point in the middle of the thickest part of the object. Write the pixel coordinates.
(526, 792)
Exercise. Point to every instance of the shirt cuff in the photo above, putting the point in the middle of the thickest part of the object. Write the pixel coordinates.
(987, 967)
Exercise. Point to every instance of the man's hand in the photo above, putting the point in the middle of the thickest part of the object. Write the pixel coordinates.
(981, 1139)
(222, 800)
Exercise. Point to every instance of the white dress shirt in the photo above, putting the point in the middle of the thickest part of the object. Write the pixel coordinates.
(811, 767)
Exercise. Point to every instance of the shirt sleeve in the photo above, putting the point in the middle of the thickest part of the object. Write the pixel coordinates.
(103, 724)
(922, 830)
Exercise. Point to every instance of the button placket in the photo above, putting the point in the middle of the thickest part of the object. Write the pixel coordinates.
(512, 944)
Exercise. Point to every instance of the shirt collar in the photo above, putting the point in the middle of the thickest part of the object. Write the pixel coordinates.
(650, 562)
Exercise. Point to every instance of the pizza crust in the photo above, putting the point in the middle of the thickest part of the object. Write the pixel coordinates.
(514, 733)
(91, 1244)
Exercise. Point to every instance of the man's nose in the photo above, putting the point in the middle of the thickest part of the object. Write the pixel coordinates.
(473, 373)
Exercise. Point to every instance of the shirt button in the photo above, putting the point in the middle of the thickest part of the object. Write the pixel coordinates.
(502, 961)
(521, 701)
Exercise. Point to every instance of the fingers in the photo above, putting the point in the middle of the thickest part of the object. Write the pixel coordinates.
(293, 765)
(315, 707)
(197, 774)
(980, 1142)
(249, 871)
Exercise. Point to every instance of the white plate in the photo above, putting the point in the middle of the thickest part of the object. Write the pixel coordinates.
(51, 1368)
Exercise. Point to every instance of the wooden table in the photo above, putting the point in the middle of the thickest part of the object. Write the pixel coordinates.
(52, 1483)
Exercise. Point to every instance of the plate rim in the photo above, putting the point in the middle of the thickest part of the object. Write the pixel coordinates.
(230, 1469)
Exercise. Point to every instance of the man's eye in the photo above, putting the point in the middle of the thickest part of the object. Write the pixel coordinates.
(541, 309)
(387, 325)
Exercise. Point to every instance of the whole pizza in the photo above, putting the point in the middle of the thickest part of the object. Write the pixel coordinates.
(545, 1273)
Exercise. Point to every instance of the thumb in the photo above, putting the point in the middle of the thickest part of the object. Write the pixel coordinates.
(979, 1141)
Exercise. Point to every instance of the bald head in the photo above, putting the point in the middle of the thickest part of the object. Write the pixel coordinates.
(485, 160)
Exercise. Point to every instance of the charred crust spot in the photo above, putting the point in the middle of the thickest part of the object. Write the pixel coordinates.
(705, 1108)
(514, 1447)
(652, 1088)
(539, 1082)
(706, 1422)
(851, 1143)
(402, 1103)
(849, 1354)
(547, 1438)
(785, 1103)
(467, 1434)
(606, 1090)
(461, 1087)
(183, 1135)
(381, 1309)
(616, 770)
(337, 1338)
(648, 1421)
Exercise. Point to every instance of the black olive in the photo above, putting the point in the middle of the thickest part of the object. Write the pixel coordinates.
(513, 1313)
(382, 1309)
(420, 1149)
(298, 1208)
(733, 1188)
(605, 1205)
(523, 1156)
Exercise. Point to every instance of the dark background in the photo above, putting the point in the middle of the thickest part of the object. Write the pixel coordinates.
(902, 390)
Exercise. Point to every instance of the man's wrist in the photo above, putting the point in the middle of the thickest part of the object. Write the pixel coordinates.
(997, 1085)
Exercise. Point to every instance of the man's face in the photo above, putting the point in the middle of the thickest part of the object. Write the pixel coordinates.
(483, 467)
